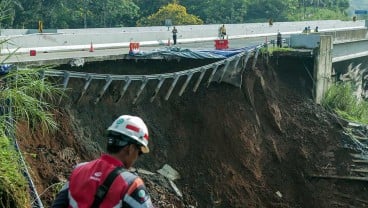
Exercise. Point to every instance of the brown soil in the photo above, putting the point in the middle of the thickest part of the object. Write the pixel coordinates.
(234, 147)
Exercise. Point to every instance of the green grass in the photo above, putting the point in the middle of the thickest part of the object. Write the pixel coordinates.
(341, 100)
(277, 49)
(30, 97)
(13, 186)
(270, 49)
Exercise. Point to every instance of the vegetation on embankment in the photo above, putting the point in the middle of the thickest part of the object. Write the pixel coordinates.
(13, 185)
(271, 49)
(29, 96)
(341, 99)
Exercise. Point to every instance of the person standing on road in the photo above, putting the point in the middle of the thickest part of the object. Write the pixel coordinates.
(305, 30)
(222, 31)
(174, 31)
(279, 40)
(106, 181)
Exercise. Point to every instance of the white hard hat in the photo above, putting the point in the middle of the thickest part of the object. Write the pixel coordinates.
(134, 128)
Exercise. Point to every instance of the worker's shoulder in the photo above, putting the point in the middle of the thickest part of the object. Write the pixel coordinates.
(81, 165)
(130, 176)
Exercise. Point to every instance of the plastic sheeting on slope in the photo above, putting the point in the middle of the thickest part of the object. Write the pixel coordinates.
(171, 52)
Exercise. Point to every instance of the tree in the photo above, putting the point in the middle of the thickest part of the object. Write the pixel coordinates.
(148, 7)
(195, 7)
(113, 13)
(27, 13)
(319, 10)
(173, 11)
(62, 14)
(74, 14)
(278, 10)
(53, 13)
(6, 12)
(320, 14)
(218, 11)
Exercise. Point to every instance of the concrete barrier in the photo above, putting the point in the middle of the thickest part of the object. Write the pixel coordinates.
(305, 40)
(312, 40)
(66, 39)
(348, 35)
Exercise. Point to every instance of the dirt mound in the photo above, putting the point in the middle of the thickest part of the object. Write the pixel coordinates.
(253, 146)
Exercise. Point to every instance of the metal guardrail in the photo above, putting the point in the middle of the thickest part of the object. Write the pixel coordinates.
(217, 74)
(220, 68)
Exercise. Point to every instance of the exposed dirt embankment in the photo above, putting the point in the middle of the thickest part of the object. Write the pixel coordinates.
(253, 146)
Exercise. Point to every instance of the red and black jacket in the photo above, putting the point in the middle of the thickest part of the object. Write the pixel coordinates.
(127, 189)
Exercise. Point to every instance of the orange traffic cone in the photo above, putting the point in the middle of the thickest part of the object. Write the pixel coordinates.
(91, 48)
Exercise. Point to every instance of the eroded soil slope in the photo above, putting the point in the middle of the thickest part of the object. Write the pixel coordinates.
(253, 146)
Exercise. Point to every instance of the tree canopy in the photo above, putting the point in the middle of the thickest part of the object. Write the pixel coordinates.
(218, 11)
(116, 13)
(177, 13)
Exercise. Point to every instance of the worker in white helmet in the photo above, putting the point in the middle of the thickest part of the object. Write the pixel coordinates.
(106, 181)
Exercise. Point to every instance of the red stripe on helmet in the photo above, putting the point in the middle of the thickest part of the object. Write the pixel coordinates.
(146, 136)
(133, 128)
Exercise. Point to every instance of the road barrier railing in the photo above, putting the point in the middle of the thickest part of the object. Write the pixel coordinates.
(229, 70)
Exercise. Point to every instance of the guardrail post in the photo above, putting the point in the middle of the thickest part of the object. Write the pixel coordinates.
(225, 69)
(212, 75)
(189, 76)
(42, 77)
(102, 92)
(66, 79)
(176, 78)
(243, 67)
(237, 59)
(245, 62)
(85, 87)
(42, 74)
(65, 82)
(255, 59)
(161, 79)
(144, 82)
(203, 71)
(127, 83)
